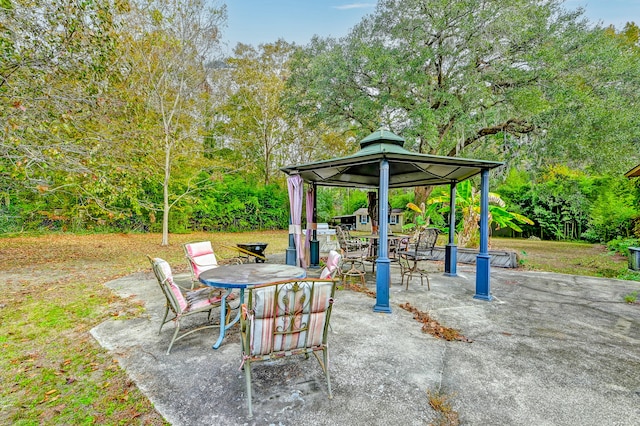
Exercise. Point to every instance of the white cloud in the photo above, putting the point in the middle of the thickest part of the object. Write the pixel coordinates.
(354, 6)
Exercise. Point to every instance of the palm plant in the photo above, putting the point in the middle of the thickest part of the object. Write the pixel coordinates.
(468, 203)
(423, 217)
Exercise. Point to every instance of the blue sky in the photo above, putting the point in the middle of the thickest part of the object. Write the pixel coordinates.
(264, 21)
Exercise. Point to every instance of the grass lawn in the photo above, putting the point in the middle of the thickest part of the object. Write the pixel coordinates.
(52, 370)
(567, 257)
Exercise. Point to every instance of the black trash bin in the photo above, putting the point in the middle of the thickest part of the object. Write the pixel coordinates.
(634, 258)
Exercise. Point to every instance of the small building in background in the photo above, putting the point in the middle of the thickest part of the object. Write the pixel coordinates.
(360, 220)
(347, 220)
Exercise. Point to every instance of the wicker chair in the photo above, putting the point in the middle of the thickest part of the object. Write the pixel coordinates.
(283, 319)
(420, 252)
(181, 304)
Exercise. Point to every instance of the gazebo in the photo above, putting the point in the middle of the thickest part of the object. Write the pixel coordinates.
(382, 163)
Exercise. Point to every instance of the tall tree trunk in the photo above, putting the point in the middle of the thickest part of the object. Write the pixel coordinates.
(421, 194)
(165, 195)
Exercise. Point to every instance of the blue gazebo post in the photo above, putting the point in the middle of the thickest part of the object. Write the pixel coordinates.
(483, 260)
(451, 250)
(383, 276)
(291, 250)
(314, 244)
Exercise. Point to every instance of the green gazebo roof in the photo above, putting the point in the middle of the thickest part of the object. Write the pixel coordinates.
(406, 168)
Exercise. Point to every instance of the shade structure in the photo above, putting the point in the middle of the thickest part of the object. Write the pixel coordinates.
(406, 168)
(382, 162)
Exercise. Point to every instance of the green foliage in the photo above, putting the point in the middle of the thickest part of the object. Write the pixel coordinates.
(631, 297)
(400, 198)
(326, 205)
(355, 199)
(237, 205)
(468, 206)
(569, 204)
(613, 210)
(621, 245)
(107, 125)
(418, 217)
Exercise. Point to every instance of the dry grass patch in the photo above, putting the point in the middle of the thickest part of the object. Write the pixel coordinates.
(52, 370)
(565, 257)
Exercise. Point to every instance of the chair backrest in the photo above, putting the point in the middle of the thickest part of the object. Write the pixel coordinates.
(171, 291)
(427, 240)
(347, 233)
(345, 241)
(333, 262)
(342, 238)
(289, 316)
(200, 257)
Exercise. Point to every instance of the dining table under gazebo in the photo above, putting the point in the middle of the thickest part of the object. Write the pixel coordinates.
(383, 163)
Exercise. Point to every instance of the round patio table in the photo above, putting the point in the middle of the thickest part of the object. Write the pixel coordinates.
(242, 277)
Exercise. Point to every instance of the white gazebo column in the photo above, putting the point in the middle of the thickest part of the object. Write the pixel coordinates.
(383, 276)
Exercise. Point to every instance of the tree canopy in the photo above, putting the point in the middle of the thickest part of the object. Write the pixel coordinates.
(116, 113)
(477, 78)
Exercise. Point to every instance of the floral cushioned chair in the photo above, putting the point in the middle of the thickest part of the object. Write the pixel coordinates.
(182, 304)
(286, 318)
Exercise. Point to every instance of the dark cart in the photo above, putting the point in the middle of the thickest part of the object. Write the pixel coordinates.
(254, 249)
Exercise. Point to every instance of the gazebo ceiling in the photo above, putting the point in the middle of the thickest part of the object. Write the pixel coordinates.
(406, 168)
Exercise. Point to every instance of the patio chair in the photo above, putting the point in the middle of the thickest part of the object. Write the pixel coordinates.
(283, 319)
(345, 239)
(200, 257)
(422, 250)
(182, 304)
(354, 253)
(332, 267)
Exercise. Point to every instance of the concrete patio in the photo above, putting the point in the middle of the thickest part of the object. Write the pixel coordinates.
(550, 349)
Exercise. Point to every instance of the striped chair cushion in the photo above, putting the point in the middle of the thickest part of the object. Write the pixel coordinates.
(165, 269)
(293, 321)
(203, 298)
(201, 256)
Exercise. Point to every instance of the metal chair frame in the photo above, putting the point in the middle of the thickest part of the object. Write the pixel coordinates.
(183, 304)
(354, 252)
(283, 319)
(422, 251)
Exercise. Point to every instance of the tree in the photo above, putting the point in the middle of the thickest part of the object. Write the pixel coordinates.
(442, 73)
(254, 120)
(54, 62)
(590, 116)
(169, 43)
(512, 81)
(468, 202)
